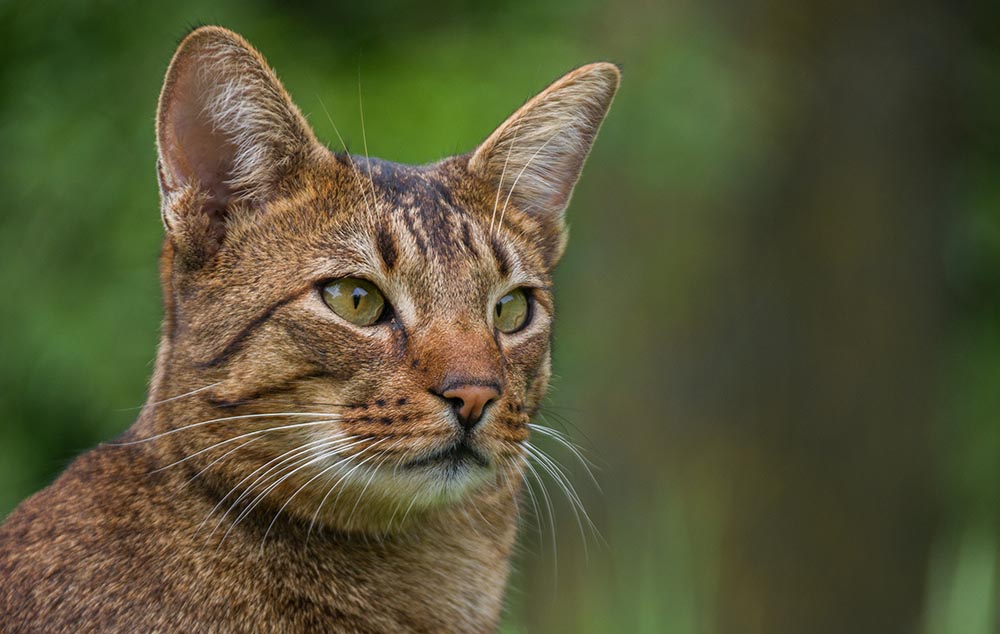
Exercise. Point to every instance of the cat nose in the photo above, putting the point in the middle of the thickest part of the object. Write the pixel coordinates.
(469, 401)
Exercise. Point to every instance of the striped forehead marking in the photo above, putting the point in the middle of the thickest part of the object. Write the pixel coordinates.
(436, 224)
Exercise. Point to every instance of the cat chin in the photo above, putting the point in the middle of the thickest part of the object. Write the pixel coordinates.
(432, 484)
(387, 500)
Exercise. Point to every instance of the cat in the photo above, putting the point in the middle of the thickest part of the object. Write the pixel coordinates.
(335, 437)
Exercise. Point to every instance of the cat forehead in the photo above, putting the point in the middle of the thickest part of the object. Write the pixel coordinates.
(399, 184)
(426, 216)
(419, 204)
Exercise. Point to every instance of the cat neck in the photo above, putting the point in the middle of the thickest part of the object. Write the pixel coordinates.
(449, 566)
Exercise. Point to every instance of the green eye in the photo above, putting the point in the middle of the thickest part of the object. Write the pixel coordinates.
(511, 312)
(358, 301)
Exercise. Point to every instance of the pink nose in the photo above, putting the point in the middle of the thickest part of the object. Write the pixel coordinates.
(469, 401)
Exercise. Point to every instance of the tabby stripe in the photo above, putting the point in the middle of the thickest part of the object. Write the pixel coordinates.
(408, 218)
(278, 388)
(501, 255)
(236, 343)
(467, 238)
(386, 247)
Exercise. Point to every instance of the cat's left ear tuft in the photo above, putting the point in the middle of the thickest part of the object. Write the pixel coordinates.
(535, 157)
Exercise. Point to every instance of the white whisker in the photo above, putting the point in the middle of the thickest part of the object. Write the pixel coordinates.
(325, 452)
(350, 159)
(521, 173)
(250, 508)
(503, 173)
(268, 468)
(311, 451)
(297, 491)
(364, 136)
(333, 487)
(406, 513)
(218, 420)
(220, 459)
(246, 435)
(368, 483)
(571, 446)
(549, 508)
(576, 505)
(395, 469)
(179, 396)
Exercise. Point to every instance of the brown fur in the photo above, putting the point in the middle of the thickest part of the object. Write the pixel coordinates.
(150, 533)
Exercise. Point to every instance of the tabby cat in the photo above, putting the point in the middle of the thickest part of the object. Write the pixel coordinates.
(336, 433)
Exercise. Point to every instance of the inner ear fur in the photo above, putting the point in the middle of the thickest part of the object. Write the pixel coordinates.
(227, 134)
(535, 157)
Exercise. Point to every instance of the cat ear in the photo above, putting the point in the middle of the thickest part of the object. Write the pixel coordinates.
(227, 133)
(535, 157)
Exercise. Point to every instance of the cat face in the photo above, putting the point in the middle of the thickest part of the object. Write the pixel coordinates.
(365, 336)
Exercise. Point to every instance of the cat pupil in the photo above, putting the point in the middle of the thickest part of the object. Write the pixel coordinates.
(357, 295)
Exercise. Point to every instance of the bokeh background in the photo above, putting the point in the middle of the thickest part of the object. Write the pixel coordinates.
(779, 316)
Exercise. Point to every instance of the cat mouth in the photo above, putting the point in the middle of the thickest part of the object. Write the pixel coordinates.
(458, 454)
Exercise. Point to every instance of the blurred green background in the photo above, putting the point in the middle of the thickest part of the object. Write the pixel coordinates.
(779, 316)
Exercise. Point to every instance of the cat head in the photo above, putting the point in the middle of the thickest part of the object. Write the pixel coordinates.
(351, 333)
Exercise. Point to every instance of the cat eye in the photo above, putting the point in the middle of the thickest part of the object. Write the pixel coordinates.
(356, 300)
(511, 312)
